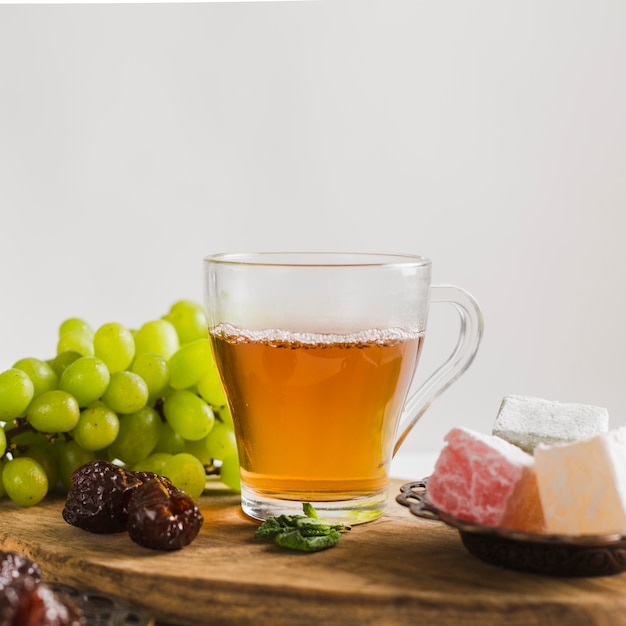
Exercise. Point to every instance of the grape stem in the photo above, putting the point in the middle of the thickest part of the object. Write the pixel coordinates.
(158, 407)
(212, 470)
(22, 425)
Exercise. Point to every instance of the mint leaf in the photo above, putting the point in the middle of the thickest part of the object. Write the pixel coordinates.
(306, 533)
(309, 511)
(269, 528)
(294, 540)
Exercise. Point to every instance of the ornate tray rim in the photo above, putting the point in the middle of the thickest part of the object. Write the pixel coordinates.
(103, 609)
(543, 553)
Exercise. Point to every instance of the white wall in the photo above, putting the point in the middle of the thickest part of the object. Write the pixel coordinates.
(489, 135)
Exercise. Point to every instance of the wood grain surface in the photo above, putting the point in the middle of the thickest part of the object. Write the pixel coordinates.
(396, 570)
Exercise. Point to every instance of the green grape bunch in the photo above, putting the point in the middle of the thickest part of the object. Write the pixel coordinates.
(149, 399)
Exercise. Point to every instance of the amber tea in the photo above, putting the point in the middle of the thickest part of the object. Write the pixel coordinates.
(316, 414)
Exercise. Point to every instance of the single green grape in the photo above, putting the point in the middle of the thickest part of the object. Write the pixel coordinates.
(189, 363)
(189, 320)
(75, 324)
(86, 379)
(115, 345)
(220, 442)
(210, 387)
(16, 392)
(97, 428)
(3, 442)
(186, 472)
(157, 336)
(2, 489)
(45, 455)
(76, 341)
(70, 457)
(169, 440)
(154, 370)
(54, 411)
(188, 414)
(41, 373)
(127, 392)
(137, 437)
(198, 449)
(25, 481)
(229, 472)
(154, 463)
(63, 360)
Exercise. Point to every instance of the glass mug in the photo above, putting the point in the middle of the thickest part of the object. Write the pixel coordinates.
(317, 353)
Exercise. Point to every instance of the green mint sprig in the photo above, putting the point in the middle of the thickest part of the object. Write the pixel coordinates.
(307, 533)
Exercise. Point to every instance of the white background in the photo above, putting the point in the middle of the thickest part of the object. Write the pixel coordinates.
(489, 135)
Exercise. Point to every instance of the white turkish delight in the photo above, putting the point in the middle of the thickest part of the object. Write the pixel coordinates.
(582, 485)
(526, 421)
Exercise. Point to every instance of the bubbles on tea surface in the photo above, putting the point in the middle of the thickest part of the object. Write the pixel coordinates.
(290, 339)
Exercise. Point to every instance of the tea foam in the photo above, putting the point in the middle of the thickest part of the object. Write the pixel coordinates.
(276, 336)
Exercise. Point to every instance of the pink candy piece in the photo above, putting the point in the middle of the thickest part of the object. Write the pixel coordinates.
(484, 479)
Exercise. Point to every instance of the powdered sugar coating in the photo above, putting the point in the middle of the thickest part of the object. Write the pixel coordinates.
(527, 421)
(582, 485)
(484, 479)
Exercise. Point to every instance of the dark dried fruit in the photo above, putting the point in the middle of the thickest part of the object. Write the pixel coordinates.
(98, 498)
(15, 565)
(106, 498)
(146, 476)
(26, 601)
(162, 517)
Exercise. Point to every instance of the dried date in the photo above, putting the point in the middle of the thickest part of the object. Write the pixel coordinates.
(15, 565)
(162, 517)
(98, 497)
(106, 498)
(26, 601)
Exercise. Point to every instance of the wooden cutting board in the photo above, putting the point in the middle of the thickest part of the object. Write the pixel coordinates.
(396, 570)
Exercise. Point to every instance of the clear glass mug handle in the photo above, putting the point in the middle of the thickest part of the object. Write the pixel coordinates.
(470, 335)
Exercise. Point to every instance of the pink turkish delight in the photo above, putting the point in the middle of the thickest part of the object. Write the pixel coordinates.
(487, 480)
